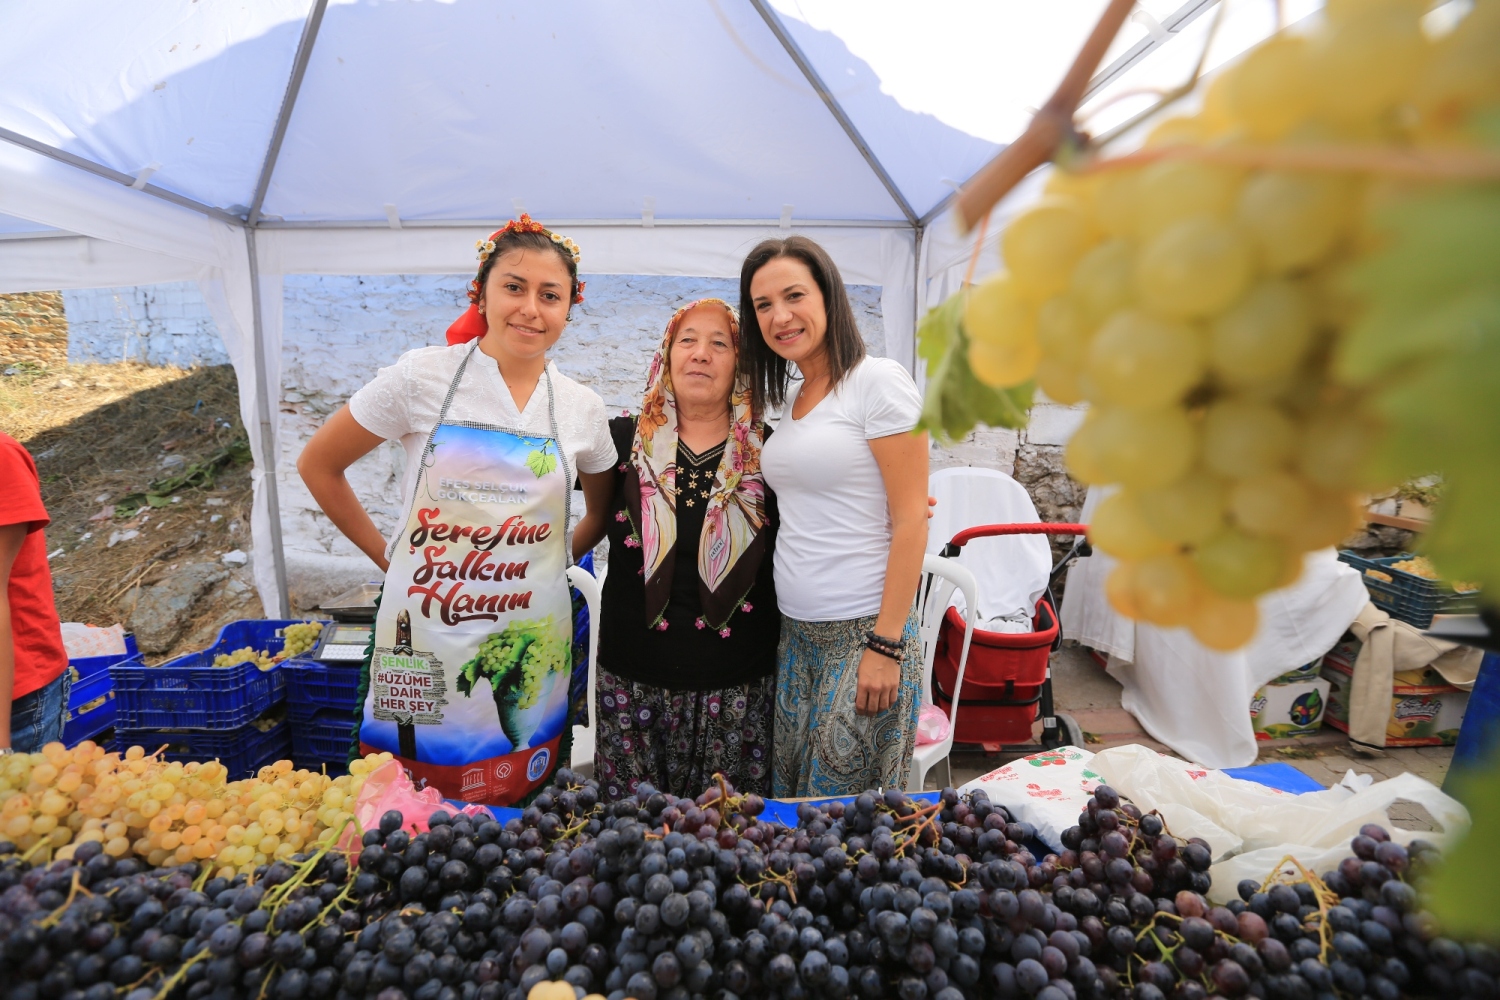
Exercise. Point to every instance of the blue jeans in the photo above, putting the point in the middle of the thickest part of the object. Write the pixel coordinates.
(36, 719)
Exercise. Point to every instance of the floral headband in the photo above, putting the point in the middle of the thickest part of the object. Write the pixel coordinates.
(525, 224)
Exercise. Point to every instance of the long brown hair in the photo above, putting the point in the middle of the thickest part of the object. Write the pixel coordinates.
(842, 344)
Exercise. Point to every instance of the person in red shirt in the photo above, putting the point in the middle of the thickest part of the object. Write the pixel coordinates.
(34, 677)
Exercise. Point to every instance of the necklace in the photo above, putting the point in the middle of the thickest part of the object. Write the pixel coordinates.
(700, 470)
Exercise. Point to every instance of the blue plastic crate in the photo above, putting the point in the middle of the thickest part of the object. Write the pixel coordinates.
(324, 742)
(1411, 598)
(189, 692)
(91, 709)
(313, 687)
(258, 633)
(193, 694)
(85, 667)
(243, 751)
(330, 767)
(304, 714)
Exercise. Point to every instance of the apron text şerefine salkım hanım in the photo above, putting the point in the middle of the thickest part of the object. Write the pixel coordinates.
(468, 682)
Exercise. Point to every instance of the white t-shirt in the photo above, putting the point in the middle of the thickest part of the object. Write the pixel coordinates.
(402, 403)
(835, 534)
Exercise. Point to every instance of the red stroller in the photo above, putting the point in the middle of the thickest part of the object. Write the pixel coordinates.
(1007, 683)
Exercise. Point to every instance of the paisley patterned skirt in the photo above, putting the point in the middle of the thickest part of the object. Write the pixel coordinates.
(678, 740)
(823, 746)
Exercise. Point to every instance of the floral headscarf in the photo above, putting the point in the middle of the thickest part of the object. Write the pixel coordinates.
(731, 547)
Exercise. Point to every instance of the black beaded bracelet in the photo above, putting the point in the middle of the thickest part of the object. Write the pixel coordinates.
(887, 653)
(879, 640)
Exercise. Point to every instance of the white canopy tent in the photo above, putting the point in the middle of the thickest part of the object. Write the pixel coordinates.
(233, 143)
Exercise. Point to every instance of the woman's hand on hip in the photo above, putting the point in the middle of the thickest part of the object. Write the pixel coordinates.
(879, 680)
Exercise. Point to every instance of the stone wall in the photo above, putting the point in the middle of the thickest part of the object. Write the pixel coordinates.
(165, 324)
(33, 329)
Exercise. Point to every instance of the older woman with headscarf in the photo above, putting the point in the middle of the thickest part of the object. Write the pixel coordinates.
(689, 625)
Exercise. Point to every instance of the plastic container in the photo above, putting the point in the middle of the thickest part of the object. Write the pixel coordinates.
(193, 694)
(315, 687)
(1002, 682)
(91, 707)
(189, 692)
(325, 741)
(243, 751)
(1411, 598)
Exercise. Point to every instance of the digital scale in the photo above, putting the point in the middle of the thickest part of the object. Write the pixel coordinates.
(353, 614)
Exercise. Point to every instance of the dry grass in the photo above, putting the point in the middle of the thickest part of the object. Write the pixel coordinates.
(100, 433)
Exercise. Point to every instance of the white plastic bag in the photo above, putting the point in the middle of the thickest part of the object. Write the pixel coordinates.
(80, 640)
(1047, 790)
(1251, 827)
(932, 725)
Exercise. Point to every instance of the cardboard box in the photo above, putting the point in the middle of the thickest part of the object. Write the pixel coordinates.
(1291, 705)
(1425, 711)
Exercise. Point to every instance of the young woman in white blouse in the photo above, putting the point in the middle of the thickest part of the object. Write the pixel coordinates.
(851, 481)
(468, 680)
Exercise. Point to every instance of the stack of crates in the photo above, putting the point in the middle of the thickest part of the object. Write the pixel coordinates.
(198, 711)
(91, 699)
(323, 702)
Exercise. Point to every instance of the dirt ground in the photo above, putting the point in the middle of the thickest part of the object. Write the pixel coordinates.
(103, 437)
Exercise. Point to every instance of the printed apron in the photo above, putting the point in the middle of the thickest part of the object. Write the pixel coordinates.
(468, 682)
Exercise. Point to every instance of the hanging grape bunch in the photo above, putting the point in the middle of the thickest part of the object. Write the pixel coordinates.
(1272, 310)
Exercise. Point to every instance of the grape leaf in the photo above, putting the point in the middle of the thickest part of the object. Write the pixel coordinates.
(956, 400)
(541, 462)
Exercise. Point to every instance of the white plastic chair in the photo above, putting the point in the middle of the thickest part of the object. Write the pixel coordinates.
(940, 578)
(583, 736)
(1011, 571)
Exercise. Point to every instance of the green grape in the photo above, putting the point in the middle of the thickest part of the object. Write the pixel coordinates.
(1188, 511)
(1118, 528)
(1141, 362)
(1194, 268)
(1175, 190)
(1264, 336)
(1269, 91)
(1242, 438)
(1294, 219)
(1144, 449)
(1104, 280)
(1273, 504)
(1115, 203)
(1362, 65)
(1166, 589)
(1062, 331)
(1239, 565)
(1042, 244)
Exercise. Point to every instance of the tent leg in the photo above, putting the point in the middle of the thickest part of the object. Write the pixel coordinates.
(919, 306)
(265, 409)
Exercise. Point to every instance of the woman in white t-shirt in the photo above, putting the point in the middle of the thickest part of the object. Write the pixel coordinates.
(469, 677)
(851, 481)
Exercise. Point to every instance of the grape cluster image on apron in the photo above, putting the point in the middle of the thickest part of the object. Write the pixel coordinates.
(468, 681)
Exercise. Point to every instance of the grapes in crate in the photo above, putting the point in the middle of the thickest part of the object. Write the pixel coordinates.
(1283, 302)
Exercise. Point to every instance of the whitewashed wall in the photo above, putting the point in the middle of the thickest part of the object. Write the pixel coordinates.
(167, 324)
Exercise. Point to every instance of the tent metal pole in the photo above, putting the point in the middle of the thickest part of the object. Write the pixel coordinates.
(917, 296)
(800, 58)
(288, 102)
(264, 411)
(118, 176)
(1173, 23)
